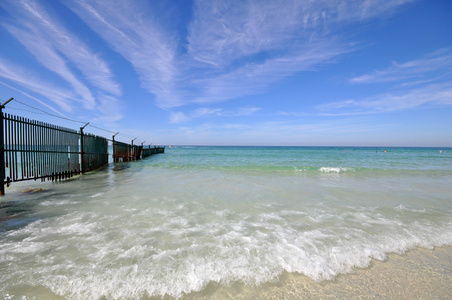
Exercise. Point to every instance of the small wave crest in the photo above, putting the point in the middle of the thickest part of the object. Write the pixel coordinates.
(181, 249)
(336, 170)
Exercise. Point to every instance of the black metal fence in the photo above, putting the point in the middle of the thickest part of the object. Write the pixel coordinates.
(145, 152)
(32, 150)
(94, 151)
(37, 150)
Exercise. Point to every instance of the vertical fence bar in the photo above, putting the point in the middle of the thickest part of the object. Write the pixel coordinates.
(2, 149)
(26, 143)
(10, 154)
(31, 147)
(21, 147)
(82, 149)
(14, 147)
(5, 139)
(13, 153)
(39, 153)
(45, 143)
(2, 155)
(35, 149)
(44, 150)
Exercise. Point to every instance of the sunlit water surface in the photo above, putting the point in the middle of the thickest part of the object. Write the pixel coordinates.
(180, 223)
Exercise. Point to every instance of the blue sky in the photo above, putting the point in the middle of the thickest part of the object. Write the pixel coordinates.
(362, 73)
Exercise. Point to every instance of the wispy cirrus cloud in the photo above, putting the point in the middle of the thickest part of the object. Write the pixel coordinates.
(251, 45)
(231, 49)
(433, 94)
(224, 31)
(412, 84)
(256, 78)
(179, 117)
(60, 51)
(141, 40)
(31, 81)
(49, 57)
(439, 61)
(34, 98)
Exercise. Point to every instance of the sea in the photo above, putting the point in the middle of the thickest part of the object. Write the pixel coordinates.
(213, 222)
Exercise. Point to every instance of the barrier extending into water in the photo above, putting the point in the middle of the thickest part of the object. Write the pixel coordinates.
(150, 151)
(32, 150)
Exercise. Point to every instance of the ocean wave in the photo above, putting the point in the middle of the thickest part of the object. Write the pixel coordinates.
(336, 170)
(57, 203)
(176, 251)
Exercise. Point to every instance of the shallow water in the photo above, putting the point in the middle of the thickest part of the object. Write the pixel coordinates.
(236, 218)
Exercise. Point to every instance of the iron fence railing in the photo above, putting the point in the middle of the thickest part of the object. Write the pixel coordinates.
(32, 150)
(94, 153)
(37, 150)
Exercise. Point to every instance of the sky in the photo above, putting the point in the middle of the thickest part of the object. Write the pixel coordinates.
(283, 73)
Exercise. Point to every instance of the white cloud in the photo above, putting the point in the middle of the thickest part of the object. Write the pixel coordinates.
(434, 94)
(133, 33)
(34, 98)
(438, 61)
(50, 59)
(110, 109)
(233, 49)
(178, 117)
(204, 111)
(34, 82)
(223, 31)
(246, 111)
(256, 78)
(59, 50)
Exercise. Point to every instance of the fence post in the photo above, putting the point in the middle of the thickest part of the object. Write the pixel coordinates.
(133, 151)
(2, 155)
(141, 150)
(82, 149)
(114, 147)
(2, 150)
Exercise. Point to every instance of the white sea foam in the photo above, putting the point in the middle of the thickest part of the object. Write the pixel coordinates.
(335, 170)
(93, 255)
(56, 203)
(96, 195)
(172, 234)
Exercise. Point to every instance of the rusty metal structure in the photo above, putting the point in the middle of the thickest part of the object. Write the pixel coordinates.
(123, 152)
(32, 150)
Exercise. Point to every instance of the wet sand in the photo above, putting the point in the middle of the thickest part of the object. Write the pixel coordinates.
(417, 274)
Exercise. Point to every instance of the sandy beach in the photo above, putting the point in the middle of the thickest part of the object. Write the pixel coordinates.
(417, 274)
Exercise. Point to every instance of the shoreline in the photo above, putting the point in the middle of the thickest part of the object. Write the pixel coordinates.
(417, 274)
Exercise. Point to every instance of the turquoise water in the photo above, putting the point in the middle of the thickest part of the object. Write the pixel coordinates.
(176, 222)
